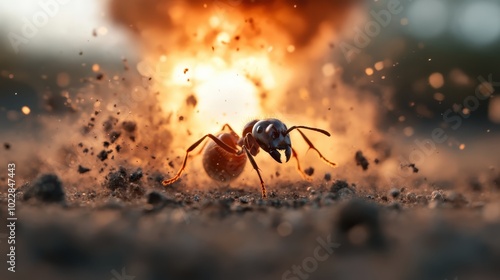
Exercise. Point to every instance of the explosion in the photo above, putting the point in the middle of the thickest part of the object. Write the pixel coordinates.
(220, 62)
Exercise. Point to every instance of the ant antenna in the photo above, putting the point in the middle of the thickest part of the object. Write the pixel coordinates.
(307, 127)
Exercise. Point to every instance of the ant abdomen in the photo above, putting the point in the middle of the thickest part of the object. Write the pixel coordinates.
(221, 165)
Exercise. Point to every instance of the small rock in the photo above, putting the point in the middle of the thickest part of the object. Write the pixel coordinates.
(47, 188)
(117, 179)
(103, 155)
(346, 193)
(328, 177)
(136, 176)
(309, 171)
(437, 196)
(394, 193)
(411, 197)
(338, 185)
(155, 197)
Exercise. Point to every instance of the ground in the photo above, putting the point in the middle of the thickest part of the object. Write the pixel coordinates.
(315, 230)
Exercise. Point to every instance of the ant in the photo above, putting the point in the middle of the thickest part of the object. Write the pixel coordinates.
(223, 161)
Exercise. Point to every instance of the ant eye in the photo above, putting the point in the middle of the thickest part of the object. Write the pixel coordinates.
(259, 129)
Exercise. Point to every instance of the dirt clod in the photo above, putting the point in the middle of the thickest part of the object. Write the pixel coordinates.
(46, 188)
(103, 155)
(361, 160)
(117, 179)
(136, 176)
(394, 193)
(338, 185)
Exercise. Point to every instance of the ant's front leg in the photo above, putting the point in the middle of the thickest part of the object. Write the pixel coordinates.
(311, 145)
(299, 169)
(251, 148)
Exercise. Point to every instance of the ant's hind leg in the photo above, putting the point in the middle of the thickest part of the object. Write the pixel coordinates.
(190, 149)
(204, 144)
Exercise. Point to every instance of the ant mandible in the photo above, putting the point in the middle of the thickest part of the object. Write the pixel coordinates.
(223, 161)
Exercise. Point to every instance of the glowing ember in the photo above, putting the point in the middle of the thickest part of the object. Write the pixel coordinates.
(26, 110)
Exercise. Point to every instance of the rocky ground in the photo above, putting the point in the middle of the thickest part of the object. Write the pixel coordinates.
(320, 230)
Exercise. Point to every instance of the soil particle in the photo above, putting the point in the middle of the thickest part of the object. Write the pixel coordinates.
(394, 193)
(103, 155)
(136, 175)
(109, 124)
(309, 171)
(129, 126)
(437, 196)
(342, 190)
(411, 197)
(114, 135)
(191, 101)
(82, 169)
(338, 185)
(155, 198)
(361, 160)
(117, 179)
(46, 188)
(412, 166)
(328, 177)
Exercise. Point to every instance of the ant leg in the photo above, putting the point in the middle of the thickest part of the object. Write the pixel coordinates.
(200, 150)
(254, 164)
(228, 127)
(311, 146)
(190, 149)
(204, 144)
(251, 144)
(301, 172)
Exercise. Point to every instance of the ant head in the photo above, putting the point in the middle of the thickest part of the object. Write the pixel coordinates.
(272, 137)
